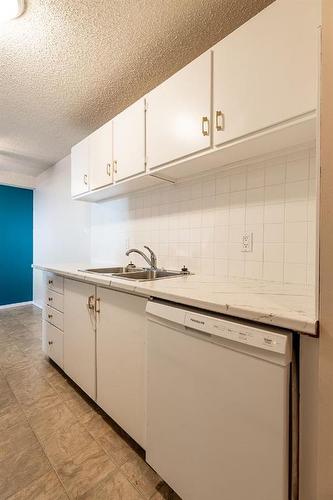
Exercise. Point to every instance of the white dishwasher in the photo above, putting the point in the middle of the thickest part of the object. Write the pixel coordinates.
(217, 405)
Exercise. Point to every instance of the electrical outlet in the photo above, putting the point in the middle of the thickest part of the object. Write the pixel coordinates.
(247, 242)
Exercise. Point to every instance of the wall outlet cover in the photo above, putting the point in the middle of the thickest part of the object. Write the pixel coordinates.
(247, 242)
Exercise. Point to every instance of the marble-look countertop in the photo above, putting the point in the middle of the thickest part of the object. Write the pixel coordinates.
(287, 306)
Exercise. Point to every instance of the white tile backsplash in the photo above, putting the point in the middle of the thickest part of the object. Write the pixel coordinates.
(200, 222)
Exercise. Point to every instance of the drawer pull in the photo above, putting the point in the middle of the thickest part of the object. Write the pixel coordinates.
(50, 299)
(85, 179)
(91, 302)
(50, 282)
(108, 169)
(50, 316)
(219, 121)
(50, 342)
(205, 125)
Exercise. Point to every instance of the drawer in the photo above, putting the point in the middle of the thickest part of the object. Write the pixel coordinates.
(55, 300)
(55, 282)
(54, 317)
(53, 340)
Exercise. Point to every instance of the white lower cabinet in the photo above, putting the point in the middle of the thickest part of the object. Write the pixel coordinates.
(53, 343)
(80, 334)
(121, 344)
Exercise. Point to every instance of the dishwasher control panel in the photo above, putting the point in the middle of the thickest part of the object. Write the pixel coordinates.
(246, 334)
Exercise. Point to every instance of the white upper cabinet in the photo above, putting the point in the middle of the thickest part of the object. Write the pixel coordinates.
(80, 168)
(129, 141)
(253, 93)
(265, 72)
(100, 157)
(178, 114)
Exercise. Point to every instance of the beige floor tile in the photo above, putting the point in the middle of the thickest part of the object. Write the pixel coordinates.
(64, 387)
(55, 418)
(119, 448)
(42, 403)
(164, 492)
(20, 469)
(23, 377)
(47, 487)
(15, 439)
(6, 394)
(28, 394)
(11, 356)
(80, 406)
(113, 487)
(48, 369)
(85, 470)
(143, 477)
(25, 364)
(62, 445)
(11, 415)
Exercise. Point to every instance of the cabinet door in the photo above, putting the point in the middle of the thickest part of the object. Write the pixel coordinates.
(129, 141)
(265, 72)
(121, 338)
(53, 340)
(80, 168)
(178, 114)
(79, 335)
(100, 157)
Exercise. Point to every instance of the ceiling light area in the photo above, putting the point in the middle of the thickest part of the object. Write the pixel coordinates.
(10, 9)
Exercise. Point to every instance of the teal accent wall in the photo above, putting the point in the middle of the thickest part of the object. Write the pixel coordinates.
(16, 244)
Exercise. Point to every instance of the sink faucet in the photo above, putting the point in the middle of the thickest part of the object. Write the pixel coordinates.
(152, 261)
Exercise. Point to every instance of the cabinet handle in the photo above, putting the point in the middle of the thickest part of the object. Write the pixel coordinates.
(85, 179)
(50, 342)
(50, 299)
(91, 302)
(108, 169)
(50, 282)
(98, 305)
(219, 121)
(50, 316)
(205, 125)
(115, 166)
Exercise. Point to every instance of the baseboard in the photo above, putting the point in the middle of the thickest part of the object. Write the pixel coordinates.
(19, 304)
(40, 306)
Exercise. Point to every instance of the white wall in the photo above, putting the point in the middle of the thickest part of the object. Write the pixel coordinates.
(61, 225)
(200, 222)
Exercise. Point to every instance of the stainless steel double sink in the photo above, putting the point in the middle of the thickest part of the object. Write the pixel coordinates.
(137, 274)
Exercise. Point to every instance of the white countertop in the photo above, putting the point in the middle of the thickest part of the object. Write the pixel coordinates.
(286, 306)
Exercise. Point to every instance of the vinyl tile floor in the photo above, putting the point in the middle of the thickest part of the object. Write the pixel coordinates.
(55, 443)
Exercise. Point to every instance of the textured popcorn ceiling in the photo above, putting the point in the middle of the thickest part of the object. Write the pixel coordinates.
(68, 66)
